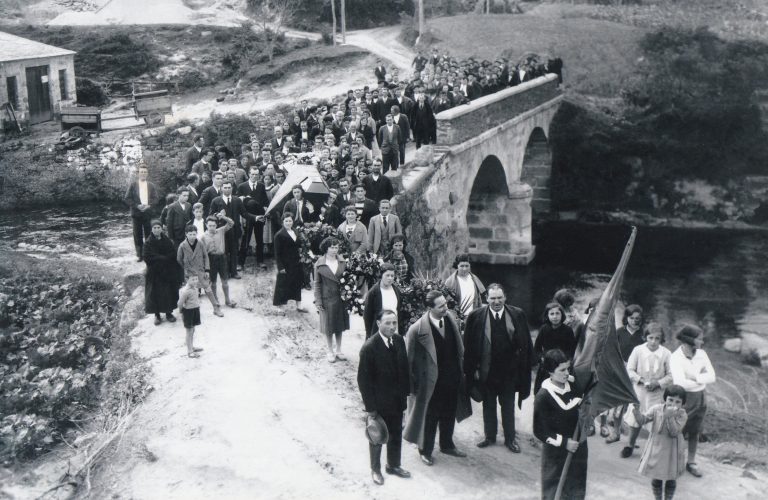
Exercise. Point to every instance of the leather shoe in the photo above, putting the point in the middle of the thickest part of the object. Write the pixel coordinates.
(236, 277)
(693, 469)
(486, 443)
(397, 471)
(513, 446)
(377, 477)
(454, 453)
(427, 459)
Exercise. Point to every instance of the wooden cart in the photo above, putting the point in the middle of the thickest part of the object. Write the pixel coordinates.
(80, 121)
(152, 106)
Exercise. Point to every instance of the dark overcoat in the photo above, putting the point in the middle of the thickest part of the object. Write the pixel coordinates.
(288, 285)
(477, 348)
(161, 292)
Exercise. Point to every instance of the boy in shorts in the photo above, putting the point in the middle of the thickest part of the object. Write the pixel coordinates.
(192, 256)
(189, 305)
(217, 257)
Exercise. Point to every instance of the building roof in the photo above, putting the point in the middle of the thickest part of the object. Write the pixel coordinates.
(16, 48)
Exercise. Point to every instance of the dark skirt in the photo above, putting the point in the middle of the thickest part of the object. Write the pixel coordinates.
(161, 290)
(191, 317)
(552, 461)
(288, 286)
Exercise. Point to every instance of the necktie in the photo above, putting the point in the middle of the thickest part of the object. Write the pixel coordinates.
(440, 324)
(384, 219)
(389, 342)
(226, 200)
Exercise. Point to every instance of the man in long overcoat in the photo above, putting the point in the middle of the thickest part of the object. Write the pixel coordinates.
(438, 392)
(498, 355)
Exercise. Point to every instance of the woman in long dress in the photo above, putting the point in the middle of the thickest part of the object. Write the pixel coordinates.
(290, 274)
(334, 319)
(383, 295)
(555, 417)
(161, 291)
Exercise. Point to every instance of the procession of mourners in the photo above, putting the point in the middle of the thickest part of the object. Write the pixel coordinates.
(313, 203)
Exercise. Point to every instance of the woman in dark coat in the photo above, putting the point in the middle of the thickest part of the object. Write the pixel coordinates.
(161, 291)
(290, 274)
(555, 417)
(334, 318)
(382, 295)
(553, 334)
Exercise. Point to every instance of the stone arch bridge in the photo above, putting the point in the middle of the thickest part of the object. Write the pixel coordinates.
(477, 190)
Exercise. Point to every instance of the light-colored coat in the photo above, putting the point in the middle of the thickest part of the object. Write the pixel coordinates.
(359, 240)
(452, 283)
(376, 231)
(333, 315)
(422, 361)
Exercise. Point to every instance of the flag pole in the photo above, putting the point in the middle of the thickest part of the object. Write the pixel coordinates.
(567, 464)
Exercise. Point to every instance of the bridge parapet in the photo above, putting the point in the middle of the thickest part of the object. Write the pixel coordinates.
(461, 123)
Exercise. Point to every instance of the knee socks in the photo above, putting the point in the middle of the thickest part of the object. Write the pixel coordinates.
(657, 487)
(666, 487)
(669, 489)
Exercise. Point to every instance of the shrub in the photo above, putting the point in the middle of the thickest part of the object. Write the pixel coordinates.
(192, 78)
(325, 32)
(55, 337)
(231, 130)
(90, 93)
(116, 55)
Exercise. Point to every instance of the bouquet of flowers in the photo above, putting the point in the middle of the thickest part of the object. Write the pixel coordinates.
(413, 295)
(361, 268)
(310, 235)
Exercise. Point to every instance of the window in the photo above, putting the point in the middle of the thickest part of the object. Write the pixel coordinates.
(63, 84)
(13, 91)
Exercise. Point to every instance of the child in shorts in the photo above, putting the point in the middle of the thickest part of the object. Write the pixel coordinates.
(189, 305)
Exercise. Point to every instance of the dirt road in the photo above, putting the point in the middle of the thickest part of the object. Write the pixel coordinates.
(263, 415)
(384, 43)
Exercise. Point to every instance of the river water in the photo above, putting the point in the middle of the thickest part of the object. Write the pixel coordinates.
(715, 278)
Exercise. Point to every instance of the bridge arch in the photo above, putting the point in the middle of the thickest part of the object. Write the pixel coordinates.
(537, 170)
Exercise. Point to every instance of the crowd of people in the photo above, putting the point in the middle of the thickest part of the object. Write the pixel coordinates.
(227, 211)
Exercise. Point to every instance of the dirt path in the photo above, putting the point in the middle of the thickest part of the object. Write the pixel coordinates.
(212, 12)
(384, 43)
(262, 415)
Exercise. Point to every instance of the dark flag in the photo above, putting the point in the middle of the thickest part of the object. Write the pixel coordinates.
(597, 365)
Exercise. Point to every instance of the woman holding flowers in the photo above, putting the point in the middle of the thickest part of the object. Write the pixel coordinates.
(334, 318)
(384, 295)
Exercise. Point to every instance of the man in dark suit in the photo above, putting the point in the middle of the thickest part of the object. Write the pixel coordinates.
(384, 382)
(277, 141)
(193, 185)
(305, 133)
(256, 202)
(377, 186)
(193, 154)
(142, 196)
(401, 121)
(234, 209)
(422, 121)
(521, 74)
(389, 138)
(204, 165)
(384, 105)
(179, 215)
(211, 192)
(442, 102)
(380, 71)
(345, 194)
(498, 356)
(301, 209)
(435, 357)
(337, 126)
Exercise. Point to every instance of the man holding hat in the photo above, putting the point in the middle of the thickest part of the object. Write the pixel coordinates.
(692, 370)
(384, 383)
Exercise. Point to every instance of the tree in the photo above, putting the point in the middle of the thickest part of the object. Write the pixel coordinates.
(269, 17)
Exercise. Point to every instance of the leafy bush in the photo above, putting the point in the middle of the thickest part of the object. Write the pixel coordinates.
(192, 78)
(244, 48)
(116, 55)
(90, 93)
(231, 130)
(55, 337)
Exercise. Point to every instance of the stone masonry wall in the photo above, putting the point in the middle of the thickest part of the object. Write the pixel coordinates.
(464, 122)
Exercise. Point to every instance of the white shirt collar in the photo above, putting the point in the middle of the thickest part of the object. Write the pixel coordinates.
(386, 341)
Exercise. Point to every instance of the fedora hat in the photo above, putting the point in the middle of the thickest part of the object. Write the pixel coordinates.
(688, 334)
(376, 430)
(476, 393)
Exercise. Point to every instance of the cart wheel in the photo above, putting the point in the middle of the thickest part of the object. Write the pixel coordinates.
(155, 118)
(77, 132)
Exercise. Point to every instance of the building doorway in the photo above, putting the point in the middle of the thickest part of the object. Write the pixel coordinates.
(39, 94)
